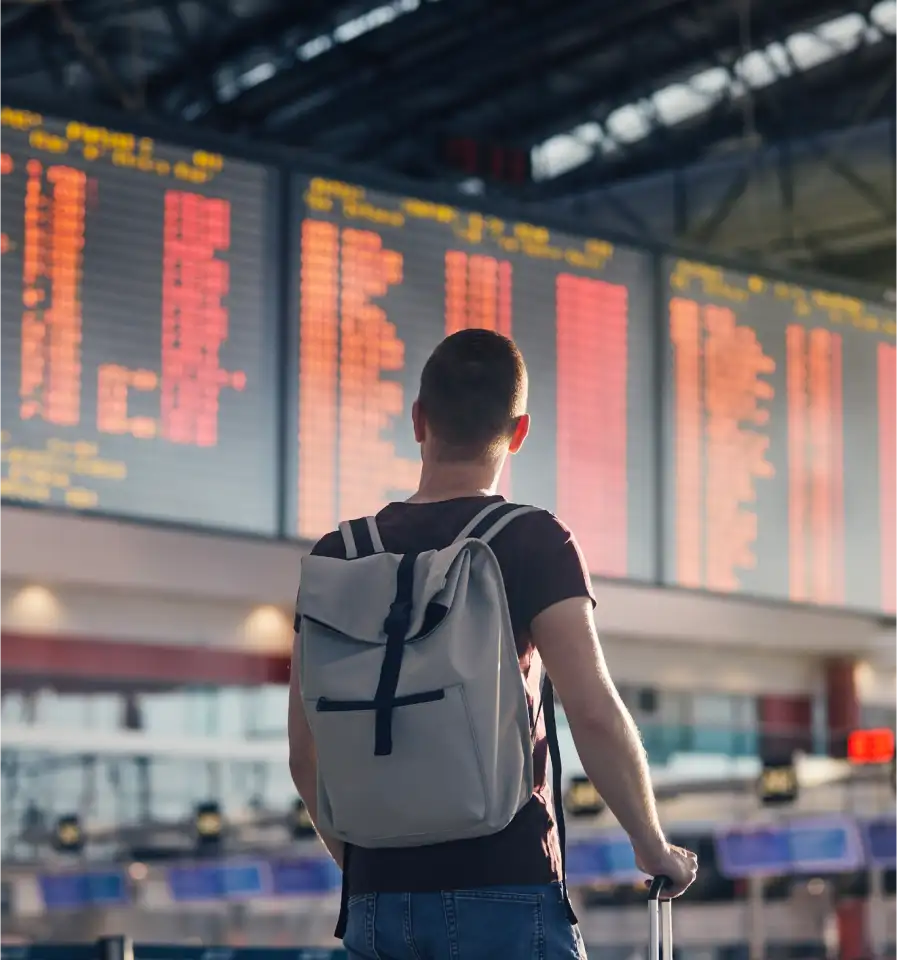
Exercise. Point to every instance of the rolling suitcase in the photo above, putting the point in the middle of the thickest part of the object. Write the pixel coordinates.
(660, 922)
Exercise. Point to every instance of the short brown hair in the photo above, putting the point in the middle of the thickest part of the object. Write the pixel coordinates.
(472, 393)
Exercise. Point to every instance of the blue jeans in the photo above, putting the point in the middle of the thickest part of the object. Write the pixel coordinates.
(491, 923)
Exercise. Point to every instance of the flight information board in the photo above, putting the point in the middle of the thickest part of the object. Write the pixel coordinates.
(137, 347)
(780, 452)
(381, 279)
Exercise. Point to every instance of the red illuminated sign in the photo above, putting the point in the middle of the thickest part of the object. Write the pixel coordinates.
(870, 746)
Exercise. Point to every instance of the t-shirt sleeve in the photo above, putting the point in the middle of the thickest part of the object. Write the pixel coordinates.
(547, 566)
(330, 545)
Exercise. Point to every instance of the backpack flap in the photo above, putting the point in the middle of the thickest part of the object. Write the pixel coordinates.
(352, 600)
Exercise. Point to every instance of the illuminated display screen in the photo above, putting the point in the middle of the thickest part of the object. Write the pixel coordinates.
(600, 860)
(881, 842)
(308, 875)
(780, 460)
(74, 891)
(381, 279)
(829, 845)
(136, 342)
(218, 881)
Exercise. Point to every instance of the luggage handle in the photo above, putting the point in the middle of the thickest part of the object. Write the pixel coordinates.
(660, 921)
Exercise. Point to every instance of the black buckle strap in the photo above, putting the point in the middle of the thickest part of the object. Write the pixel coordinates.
(353, 706)
(342, 919)
(396, 625)
(399, 616)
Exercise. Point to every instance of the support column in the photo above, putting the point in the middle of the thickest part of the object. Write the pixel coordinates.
(843, 715)
(756, 919)
(786, 726)
(852, 939)
(842, 704)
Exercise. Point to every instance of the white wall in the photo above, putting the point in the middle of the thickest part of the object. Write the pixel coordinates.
(94, 612)
(54, 548)
(729, 668)
(175, 567)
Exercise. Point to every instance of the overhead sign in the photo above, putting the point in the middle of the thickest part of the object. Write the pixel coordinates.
(77, 891)
(778, 784)
(305, 876)
(301, 824)
(381, 279)
(601, 860)
(218, 881)
(582, 799)
(138, 328)
(780, 446)
(825, 845)
(69, 836)
(880, 837)
(870, 746)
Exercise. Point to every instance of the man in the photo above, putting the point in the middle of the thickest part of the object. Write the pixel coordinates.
(496, 897)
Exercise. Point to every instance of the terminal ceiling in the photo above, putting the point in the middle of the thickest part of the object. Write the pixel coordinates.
(599, 93)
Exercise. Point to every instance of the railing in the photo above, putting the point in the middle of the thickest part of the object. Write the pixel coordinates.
(121, 948)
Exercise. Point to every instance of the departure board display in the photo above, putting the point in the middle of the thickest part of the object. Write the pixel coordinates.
(137, 347)
(381, 279)
(780, 420)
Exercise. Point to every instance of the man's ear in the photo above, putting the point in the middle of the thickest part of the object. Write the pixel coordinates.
(417, 421)
(520, 433)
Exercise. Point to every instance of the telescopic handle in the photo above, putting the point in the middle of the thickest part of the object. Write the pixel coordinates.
(660, 921)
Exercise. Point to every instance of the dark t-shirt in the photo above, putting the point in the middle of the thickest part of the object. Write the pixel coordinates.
(541, 565)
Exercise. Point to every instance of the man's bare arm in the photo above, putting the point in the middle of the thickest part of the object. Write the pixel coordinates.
(304, 759)
(605, 734)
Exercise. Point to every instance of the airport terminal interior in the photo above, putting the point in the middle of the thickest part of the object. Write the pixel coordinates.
(232, 233)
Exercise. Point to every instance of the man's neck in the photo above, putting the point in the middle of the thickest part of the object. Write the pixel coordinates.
(449, 481)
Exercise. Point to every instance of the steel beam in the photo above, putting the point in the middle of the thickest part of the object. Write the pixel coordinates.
(428, 48)
(201, 82)
(577, 21)
(676, 45)
(408, 44)
(690, 140)
(467, 74)
(235, 37)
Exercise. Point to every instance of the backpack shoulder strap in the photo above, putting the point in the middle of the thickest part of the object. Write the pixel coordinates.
(491, 520)
(361, 538)
(557, 777)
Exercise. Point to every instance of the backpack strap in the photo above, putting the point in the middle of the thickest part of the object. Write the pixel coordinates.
(499, 523)
(361, 537)
(557, 798)
(491, 520)
(478, 519)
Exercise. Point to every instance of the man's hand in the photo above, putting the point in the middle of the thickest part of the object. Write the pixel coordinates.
(679, 865)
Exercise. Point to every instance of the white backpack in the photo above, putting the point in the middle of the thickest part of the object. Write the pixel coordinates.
(412, 687)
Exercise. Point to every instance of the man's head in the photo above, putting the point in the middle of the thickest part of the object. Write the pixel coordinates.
(472, 400)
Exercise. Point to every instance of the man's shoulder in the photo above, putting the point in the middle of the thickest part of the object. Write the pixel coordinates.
(330, 545)
(538, 527)
(535, 529)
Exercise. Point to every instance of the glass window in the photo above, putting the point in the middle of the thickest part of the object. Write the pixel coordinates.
(713, 724)
(876, 715)
(687, 722)
(724, 723)
(13, 707)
